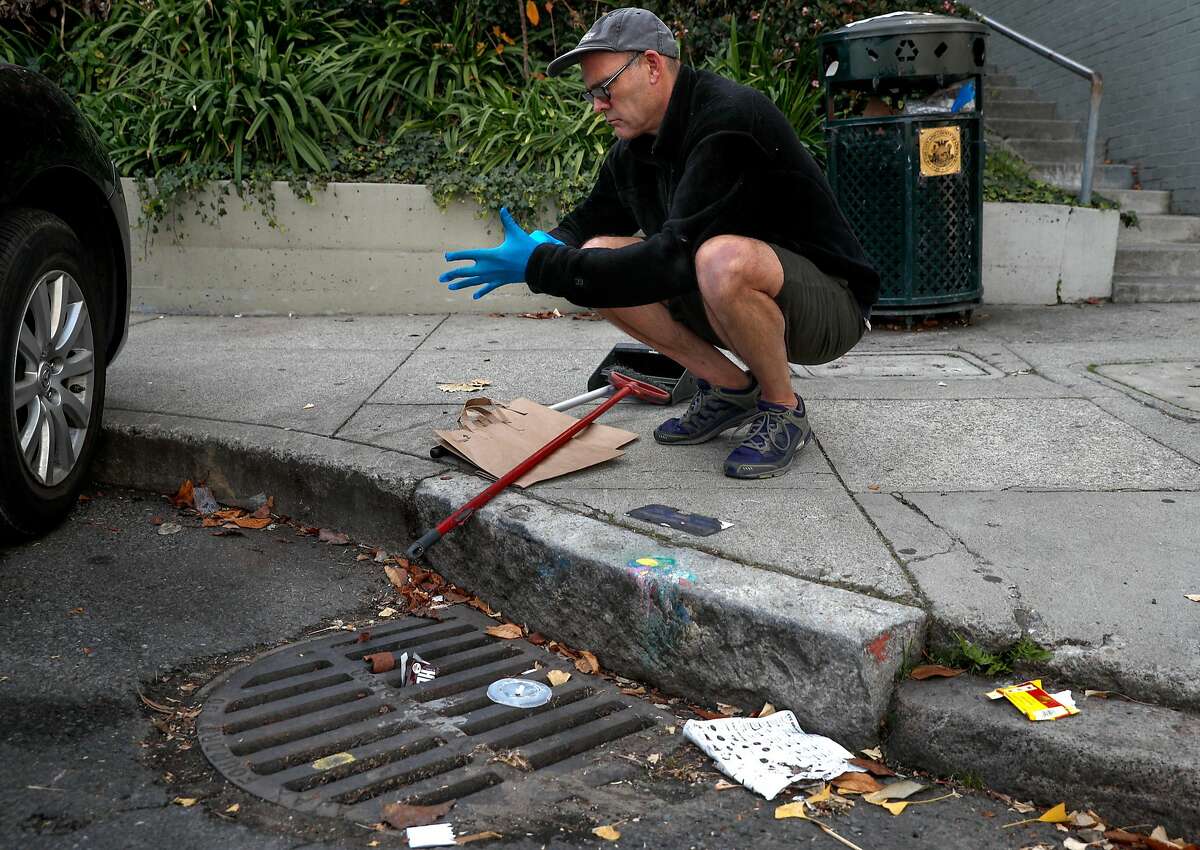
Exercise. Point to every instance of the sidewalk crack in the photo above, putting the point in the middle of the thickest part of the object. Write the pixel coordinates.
(388, 377)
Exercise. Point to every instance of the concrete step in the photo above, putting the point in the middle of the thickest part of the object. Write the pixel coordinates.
(1158, 259)
(1033, 128)
(1018, 109)
(998, 80)
(949, 727)
(1066, 175)
(1048, 150)
(1130, 289)
(1141, 201)
(1162, 228)
(1008, 94)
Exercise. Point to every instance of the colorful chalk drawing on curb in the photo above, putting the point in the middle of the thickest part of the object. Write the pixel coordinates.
(659, 566)
(659, 580)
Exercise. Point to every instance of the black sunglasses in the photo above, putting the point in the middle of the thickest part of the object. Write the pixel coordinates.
(602, 90)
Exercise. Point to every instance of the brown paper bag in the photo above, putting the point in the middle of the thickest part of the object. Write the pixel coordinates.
(496, 437)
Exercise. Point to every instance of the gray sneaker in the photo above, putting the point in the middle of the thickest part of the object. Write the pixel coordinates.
(713, 410)
(775, 437)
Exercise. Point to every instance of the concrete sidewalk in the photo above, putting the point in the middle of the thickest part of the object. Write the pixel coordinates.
(1035, 474)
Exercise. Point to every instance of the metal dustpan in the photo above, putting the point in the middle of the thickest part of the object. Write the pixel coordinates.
(643, 363)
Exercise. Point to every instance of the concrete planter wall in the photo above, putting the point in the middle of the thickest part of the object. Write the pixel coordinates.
(377, 248)
(360, 248)
(1047, 253)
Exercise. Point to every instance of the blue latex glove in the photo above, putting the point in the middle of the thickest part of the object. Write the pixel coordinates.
(494, 267)
(542, 236)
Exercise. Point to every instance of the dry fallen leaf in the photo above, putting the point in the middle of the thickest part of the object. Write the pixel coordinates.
(728, 710)
(507, 631)
(766, 711)
(336, 538)
(186, 802)
(927, 670)
(725, 785)
(895, 807)
(255, 522)
(606, 832)
(821, 796)
(1023, 808)
(791, 810)
(234, 809)
(397, 576)
(1072, 843)
(184, 497)
(587, 663)
(1058, 814)
(654, 758)
(558, 677)
(387, 612)
(894, 791)
(860, 783)
(402, 816)
(872, 767)
(1195, 597)
(477, 836)
(874, 753)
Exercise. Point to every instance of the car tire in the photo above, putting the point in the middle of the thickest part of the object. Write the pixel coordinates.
(52, 370)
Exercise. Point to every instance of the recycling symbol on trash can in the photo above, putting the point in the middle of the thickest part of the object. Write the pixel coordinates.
(907, 51)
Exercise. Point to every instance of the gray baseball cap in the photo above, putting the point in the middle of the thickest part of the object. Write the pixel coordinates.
(620, 31)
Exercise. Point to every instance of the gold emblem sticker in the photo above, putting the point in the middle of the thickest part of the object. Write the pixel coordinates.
(941, 151)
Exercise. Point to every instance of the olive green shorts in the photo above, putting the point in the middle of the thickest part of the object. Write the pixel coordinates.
(822, 317)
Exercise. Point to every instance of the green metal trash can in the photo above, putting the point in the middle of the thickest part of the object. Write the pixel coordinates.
(904, 128)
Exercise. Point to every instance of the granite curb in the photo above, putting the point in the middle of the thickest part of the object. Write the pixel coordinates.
(1124, 759)
(698, 625)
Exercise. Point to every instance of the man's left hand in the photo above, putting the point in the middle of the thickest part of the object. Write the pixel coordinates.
(493, 267)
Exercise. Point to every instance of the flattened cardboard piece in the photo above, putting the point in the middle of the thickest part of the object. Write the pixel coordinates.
(496, 437)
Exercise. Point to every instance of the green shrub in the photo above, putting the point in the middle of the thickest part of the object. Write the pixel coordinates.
(452, 94)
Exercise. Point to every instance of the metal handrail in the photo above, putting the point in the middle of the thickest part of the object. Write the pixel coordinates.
(1089, 148)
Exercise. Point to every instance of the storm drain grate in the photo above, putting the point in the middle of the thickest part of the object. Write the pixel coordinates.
(310, 727)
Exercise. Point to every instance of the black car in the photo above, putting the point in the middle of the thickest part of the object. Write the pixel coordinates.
(64, 298)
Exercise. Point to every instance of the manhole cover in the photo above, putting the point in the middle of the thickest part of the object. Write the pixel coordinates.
(1175, 382)
(905, 364)
(310, 727)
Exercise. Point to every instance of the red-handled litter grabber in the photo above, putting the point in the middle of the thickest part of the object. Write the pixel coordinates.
(625, 387)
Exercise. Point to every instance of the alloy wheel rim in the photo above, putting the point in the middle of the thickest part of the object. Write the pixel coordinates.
(55, 377)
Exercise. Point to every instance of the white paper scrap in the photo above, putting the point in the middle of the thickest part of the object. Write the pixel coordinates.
(766, 754)
(435, 835)
(1065, 698)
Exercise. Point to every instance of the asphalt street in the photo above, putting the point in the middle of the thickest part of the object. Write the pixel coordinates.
(107, 626)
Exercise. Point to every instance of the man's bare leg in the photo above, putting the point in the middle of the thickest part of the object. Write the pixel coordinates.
(739, 278)
(654, 325)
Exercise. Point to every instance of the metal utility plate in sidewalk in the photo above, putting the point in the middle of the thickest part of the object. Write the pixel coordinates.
(1176, 383)
(310, 727)
(905, 364)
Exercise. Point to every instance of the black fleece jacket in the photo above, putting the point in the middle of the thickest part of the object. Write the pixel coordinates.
(725, 161)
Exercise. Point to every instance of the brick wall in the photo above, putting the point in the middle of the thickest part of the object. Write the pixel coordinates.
(1149, 55)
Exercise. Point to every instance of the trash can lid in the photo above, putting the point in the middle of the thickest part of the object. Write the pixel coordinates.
(900, 23)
